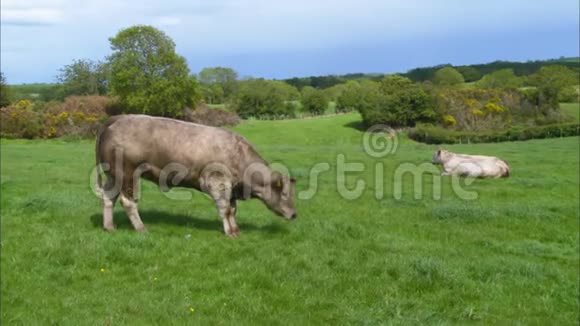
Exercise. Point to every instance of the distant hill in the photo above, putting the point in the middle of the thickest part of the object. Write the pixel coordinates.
(476, 71)
(519, 68)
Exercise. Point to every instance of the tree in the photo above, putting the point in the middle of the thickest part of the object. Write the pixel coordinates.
(314, 101)
(448, 76)
(503, 78)
(394, 83)
(469, 73)
(306, 91)
(84, 77)
(226, 78)
(147, 75)
(349, 98)
(5, 92)
(262, 99)
(550, 80)
(395, 101)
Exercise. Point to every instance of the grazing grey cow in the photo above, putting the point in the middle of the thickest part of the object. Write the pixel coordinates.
(478, 166)
(174, 153)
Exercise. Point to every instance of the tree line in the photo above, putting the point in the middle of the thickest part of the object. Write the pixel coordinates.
(144, 74)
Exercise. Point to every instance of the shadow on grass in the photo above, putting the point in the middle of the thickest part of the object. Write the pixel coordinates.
(358, 125)
(160, 217)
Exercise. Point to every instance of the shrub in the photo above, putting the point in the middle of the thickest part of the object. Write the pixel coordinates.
(262, 99)
(397, 102)
(476, 109)
(314, 102)
(20, 121)
(205, 115)
(431, 134)
(77, 116)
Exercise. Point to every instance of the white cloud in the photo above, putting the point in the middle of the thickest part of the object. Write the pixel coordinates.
(66, 29)
(31, 16)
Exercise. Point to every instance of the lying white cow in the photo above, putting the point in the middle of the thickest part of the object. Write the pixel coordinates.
(478, 166)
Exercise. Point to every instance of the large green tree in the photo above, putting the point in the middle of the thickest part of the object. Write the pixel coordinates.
(550, 80)
(147, 75)
(84, 77)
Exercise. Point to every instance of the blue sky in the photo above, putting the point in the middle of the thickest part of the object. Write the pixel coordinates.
(281, 39)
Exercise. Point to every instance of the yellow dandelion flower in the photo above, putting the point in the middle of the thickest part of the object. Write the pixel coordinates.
(192, 309)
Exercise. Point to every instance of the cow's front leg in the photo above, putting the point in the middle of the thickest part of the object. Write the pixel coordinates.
(221, 193)
(225, 212)
(232, 218)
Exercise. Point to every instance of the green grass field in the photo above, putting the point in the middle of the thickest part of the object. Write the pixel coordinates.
(511, 256)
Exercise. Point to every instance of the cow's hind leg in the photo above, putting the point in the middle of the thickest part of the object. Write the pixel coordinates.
(109, 196)
(129, 202)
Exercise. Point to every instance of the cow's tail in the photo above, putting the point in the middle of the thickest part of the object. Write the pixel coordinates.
(98, 166)
(98, 158)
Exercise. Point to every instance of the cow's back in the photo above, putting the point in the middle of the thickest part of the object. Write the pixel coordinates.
(159, 142)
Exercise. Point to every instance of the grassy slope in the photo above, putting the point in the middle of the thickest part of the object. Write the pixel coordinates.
(511, 256)
(571, 109)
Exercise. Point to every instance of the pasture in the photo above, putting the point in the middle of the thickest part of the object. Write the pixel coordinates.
(511, 256)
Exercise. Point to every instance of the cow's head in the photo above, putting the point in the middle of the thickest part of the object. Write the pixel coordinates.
(440, 156)
(278, 195)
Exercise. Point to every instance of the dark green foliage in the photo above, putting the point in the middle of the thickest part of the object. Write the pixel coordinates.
(314, 102)
(84, 77)
(261, 98)
(469, 73)
(430, 134)
(395, 101)
(147, 75)
(519, 68)
(350, 97)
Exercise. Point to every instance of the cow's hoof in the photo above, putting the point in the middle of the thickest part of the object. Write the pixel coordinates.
(141, 229)
(234, 233)
(109, 228)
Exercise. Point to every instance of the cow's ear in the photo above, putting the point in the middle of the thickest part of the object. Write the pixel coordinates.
(277, 180)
